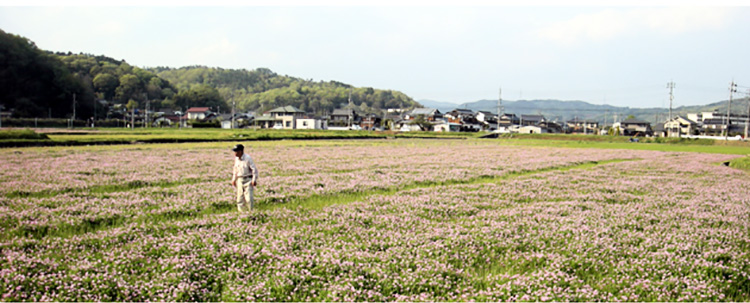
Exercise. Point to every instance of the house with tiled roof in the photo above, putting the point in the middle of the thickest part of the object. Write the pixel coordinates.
(634, 127)
(680, 126)
(429, 114)
(197, 113)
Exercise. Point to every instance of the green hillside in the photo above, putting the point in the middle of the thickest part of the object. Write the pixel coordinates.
(262, 89)
(40, 84)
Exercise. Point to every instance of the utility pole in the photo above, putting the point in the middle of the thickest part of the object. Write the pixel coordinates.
(606, 113)
(148, 104)
(73, 120)
(231, 96)
(732, 90)
(747, 120)
(351, 116)
(670, 86)
(585, 131)
(132, 118)
(499, 107)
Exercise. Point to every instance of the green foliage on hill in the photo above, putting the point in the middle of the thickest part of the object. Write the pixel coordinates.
(36, 84)
(262, 89)
(117, 81)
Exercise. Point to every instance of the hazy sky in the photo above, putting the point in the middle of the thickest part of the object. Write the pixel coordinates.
(619, 55)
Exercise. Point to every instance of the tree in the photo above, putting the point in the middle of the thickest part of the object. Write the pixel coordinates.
(128, 87)
(132, 104)
(106, 84)
(201, 95)
(262, 89)
(424, 124)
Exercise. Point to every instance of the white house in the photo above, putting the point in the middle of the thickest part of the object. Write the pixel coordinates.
(447, 127)
(285, 117)
(680, 126)
(227, 124)
(532, 129)
(311, 123)
(197, 113)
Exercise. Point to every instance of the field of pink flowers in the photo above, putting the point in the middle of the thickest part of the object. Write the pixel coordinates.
(155, 224)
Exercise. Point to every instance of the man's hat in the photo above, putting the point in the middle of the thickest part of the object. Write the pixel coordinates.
(238, 147)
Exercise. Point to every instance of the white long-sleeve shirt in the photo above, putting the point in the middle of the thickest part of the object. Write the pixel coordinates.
(244, 167)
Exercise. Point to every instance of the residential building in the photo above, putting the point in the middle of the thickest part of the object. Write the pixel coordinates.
(507, 120)
(531, 120)
(287, 111)
(429, 114)
(311, 123)
(198, 113)
(634, 127)
(532, 129)
(370, 121)
(681, 126)
(488, 119)
(344, 117)
(584, 126)
(446, 126)
(460, 114)
(283, 117)
(551, 127)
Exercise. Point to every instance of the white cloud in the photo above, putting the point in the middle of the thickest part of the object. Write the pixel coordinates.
(612, 23)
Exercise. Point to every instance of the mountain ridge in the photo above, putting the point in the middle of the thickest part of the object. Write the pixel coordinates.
(563, 110)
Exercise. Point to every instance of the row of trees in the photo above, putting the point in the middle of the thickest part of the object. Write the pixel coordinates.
(262, 89)
(36, 83)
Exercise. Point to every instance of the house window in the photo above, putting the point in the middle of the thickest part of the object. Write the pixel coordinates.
(288, 124)
(304, 123)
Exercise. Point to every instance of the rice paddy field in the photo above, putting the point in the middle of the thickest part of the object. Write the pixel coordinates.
(375, 220)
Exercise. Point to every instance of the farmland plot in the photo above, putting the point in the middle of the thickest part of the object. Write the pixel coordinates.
(463, 221)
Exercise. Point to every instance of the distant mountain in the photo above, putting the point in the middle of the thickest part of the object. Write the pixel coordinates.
(439, 105)
(557, 110)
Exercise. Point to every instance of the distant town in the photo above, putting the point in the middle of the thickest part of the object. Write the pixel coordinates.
(692, 125)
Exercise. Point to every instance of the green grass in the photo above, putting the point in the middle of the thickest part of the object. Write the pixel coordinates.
(65, 137)
(100, 189)
(741, 163)
(718, 147)
(21, 134)
(169, 135)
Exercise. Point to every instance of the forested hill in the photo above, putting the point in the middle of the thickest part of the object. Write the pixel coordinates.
(37, 84)
(262, 89)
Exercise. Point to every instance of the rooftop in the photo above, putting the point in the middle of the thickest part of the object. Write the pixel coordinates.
(198, 109)
(286, 109)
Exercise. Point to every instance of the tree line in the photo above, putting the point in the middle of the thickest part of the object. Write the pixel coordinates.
(38, 83)
(262, 89)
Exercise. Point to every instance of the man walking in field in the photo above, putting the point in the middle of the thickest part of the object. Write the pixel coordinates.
(244, 177)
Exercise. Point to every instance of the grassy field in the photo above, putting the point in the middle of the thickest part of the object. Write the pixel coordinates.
(56, 137)
(63, 137)
(528, 219)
